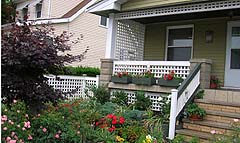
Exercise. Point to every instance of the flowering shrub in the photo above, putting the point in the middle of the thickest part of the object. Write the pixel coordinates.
(110, 122)
(169, 76)
(122, 74)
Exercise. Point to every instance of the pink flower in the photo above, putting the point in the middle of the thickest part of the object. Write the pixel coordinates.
(38, 115)
(27, 124)
(12, 134)
(4, 118)
(78, 132)
(26, 115)
(8, 139)
(30, 137)
(14, 101)
(213, 132)
(23, 129)
(235, 120)
(21, 141)
(12, 123)
(12, 141)
(44, 130)
(57, 136)
(9, 121)
(59, 132)
(5, 128)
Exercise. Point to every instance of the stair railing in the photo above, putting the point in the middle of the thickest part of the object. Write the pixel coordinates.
(181, 96)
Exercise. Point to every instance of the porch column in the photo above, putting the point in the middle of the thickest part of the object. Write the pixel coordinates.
(106, 71)
(111, 37)
(205, 71)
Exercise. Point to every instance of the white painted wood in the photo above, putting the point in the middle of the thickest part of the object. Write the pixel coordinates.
(173, 112)
(181, 9)
(111, 38)
(232, 76)
(154, 97)
(70, 83)
(158, 68)
(130, 41)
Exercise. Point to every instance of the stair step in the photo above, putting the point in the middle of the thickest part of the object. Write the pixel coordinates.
(209, 124)
(205, 137)
(207, 105)
(217, 102)
(224, 114)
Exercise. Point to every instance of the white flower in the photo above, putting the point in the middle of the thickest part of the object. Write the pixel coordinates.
(235, 120)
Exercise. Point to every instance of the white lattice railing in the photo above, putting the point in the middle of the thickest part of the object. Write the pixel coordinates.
(158, 68)
(70, 83)
(154, 97)
(181, 96)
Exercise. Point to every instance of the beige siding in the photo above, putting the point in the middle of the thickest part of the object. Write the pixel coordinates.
(60, 7)
(141, 4)
(155, 42)
(94, 37)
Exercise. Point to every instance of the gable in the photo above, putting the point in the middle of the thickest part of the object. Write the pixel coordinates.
(143, 4)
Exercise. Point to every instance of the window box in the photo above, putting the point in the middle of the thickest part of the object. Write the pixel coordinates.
(172, 83)
(124, 79)
(144, 81)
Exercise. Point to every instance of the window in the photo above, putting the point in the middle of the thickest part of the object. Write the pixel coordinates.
(180, 43)
(38, 10)
(103, 21)
(25, 13)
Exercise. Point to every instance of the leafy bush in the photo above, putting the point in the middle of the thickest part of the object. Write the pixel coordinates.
(120, 98)
(200, 94)
(76, 71)
(27, 53)
(100, 94)
(142, 103)
(193, 108)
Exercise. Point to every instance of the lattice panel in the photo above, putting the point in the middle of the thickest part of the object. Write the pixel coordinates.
(154, 97)
(158, 68)
(73, 83)
(181, 9)
(129, 41)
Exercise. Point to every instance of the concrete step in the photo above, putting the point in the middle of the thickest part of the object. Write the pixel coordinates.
(207, 126)
(189, 134)
(218, 106)
(221, 117)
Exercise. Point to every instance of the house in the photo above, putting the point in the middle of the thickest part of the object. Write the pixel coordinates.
(70, 16)
(165, 35)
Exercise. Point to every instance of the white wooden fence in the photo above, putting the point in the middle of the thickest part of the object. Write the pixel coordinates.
(158, 68)
(79, 84)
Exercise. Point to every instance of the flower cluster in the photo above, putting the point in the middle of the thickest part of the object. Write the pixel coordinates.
(122, 74)
(169, 76)
(119, 139)
(110, 122)
(149, 139)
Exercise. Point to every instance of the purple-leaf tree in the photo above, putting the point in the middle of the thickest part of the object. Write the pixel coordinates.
(27, 54)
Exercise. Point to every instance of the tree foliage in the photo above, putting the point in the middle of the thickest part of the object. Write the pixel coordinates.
(8, 11)
(28, 53)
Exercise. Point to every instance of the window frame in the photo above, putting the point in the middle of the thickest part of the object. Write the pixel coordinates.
(99, 22)
(37, 11)
(178, 27)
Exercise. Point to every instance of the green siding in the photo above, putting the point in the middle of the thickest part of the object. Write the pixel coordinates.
(142, 4)
(156, 34)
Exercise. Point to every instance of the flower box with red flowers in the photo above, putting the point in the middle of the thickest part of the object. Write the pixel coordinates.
(121, 77)
(170, 80)
(146, 78)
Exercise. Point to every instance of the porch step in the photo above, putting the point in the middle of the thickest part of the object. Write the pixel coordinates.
(206, 126)
(188, 134)
(219, 117)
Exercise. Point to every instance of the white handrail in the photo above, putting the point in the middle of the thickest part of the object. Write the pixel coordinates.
(181, 96)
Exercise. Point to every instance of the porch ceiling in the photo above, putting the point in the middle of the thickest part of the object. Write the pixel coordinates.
(190, 16)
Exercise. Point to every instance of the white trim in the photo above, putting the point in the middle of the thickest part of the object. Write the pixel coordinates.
(180, 9)
(106, 5)
(99, 22)
(178, 27)
(62, 20)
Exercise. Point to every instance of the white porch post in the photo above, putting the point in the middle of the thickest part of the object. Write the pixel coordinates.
(111, 37)
(173, 112)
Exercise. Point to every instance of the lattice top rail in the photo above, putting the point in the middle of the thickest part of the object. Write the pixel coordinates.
(158, 68)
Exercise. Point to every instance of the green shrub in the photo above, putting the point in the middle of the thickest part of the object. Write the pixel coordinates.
(76, 71)
(120, 98)
(142, 103)
(100, 94)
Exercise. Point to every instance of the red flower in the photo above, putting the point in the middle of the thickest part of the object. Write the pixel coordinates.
(111, 129)
(121, 120)
(114, 121)
(97, 123)
(170, 77)
(165, 77)
(119, 74)
(110, 116)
